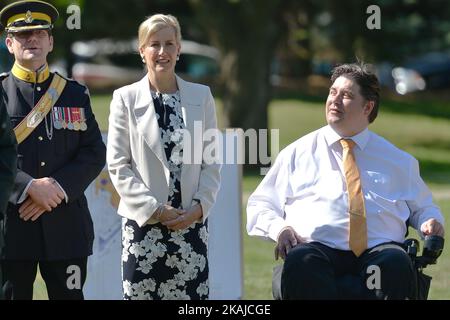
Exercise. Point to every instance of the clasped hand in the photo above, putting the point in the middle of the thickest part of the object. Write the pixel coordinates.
(43, 195)
(176, 219)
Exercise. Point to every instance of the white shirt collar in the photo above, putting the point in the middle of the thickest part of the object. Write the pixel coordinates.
(360, 139)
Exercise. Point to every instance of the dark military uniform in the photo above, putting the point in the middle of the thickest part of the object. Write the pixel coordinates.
(8, 159)
(8, 164)
(67, 146)
(73, 158)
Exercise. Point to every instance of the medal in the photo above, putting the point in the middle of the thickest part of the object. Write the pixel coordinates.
(83, 125)
(76, 126)
(56, 119)
(57, 124)
(63, 118)
(69, 122)
(76, 119)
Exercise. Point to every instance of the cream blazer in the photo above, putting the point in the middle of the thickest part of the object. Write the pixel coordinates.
(136, 160)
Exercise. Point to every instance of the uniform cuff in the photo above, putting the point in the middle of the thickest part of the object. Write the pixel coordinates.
(24, 194)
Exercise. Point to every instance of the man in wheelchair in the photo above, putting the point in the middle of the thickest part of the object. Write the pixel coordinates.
(338, 200)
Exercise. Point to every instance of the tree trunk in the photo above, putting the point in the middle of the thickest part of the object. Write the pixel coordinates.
(247, 34)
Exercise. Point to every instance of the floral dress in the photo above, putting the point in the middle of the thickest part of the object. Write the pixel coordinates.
(158, 263)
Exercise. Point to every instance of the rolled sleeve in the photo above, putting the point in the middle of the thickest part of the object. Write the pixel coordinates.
(420, 200)
(265, 208)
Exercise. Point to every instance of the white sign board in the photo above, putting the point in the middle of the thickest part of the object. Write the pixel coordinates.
(225, 239)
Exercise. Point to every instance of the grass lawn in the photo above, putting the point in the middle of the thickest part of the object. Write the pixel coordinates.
(427, 137)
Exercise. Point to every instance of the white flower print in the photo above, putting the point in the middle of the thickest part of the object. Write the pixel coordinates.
(145, 266)
(127, 236)
(178, 236)
(185, 249)
(197, 260)
(166, 135)
(177, 136)
(154, 234)
(127, 288)
(125, 254)
(191, 272)
(176, 121)
(180, 278)
(146, 243)
(137, 250)
(203, 234)
(181, 295)
(142, 296)
(177, 155)
(159, 250)
(148, 284)
(172, 261)
(150, 256)
(203, 289)
(128, 233)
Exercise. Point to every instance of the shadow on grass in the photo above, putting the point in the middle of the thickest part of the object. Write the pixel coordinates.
(437, 172)
(434, 144)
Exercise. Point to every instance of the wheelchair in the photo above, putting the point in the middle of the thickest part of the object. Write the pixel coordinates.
(351, 285)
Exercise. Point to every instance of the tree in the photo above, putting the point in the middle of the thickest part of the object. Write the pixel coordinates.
(247, 33)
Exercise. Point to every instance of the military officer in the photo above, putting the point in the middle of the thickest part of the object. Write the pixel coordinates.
(60, 153)
(8, 164)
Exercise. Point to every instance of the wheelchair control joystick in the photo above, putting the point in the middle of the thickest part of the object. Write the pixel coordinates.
(432, 249)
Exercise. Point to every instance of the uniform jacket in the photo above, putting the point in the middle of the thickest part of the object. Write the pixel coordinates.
(73, 158)
(136, 160)
(8, 158)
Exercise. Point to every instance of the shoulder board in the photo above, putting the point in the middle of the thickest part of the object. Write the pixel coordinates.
(63, 76)
(74, 82)
(4, 75)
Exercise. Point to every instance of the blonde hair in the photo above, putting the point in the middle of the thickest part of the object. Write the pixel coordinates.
(155, 23)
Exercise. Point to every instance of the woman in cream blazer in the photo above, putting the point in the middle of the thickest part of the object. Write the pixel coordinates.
(156, 162)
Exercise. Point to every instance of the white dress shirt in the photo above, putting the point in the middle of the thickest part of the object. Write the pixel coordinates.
(306, 189)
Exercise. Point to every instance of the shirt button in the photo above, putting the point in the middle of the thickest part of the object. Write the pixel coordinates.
(38, 88)
(42, 164)
(40, 138)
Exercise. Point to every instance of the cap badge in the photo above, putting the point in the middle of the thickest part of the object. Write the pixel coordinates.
(28, 17)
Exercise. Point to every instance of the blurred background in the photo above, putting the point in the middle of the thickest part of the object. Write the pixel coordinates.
(268, 63)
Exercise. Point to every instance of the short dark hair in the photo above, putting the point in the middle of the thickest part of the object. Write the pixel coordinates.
(364, 76)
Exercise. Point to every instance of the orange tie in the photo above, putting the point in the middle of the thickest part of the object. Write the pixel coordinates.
(358, 227)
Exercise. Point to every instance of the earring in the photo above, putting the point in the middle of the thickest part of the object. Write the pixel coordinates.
(178, 58)
(143, 60)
